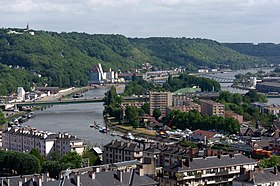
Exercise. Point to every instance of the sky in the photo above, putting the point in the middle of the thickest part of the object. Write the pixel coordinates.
(222, 20)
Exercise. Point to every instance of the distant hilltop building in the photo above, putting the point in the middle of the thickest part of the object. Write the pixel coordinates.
(99, 77)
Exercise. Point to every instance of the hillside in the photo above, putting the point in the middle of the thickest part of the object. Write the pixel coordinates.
(268, 51)
(65, 59)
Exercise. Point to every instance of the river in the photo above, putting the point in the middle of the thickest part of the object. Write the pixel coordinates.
(75, 119)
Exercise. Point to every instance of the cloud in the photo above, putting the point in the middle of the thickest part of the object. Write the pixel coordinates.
(217, 19)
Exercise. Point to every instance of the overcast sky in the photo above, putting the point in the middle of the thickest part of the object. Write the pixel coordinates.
(222, 20)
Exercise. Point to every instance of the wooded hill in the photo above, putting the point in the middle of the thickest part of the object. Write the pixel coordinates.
(65, 59)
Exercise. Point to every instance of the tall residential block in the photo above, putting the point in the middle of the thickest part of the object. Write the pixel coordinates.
(211, 108)
(160, 100)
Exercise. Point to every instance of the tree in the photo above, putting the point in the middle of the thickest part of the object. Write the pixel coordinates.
(157, 113)
(146, 108)
(19, 163)
(93, 159)
(132, 114)
(36, 153)
(273, 161)
(2, 118)
(74, 158)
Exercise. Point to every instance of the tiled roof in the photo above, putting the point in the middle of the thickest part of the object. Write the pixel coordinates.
(261, 176)
(212, 162)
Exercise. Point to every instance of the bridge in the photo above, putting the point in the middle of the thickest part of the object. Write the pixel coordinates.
(216, 78)
(73, 101)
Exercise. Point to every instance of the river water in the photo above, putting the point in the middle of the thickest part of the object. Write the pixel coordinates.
(75, 119)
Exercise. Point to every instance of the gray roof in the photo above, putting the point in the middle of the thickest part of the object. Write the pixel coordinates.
(126, 163)
(212, 162)
(260, 176)
(115, 144)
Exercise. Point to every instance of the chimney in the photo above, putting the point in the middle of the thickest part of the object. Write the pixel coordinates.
(180, 161)
(187, 162)
(131, 177)
(8, 182)
(78, 179)
(242, 171)
(92, 175)
(120, 175)
(40, 181)
(231, 154)
(219, 154)
(275, 170)
(250, 175)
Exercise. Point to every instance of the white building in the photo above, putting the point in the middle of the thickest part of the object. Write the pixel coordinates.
(20, 94)
(253, 82)
(27, 138)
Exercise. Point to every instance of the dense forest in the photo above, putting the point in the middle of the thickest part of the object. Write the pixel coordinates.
(268, 51)
(65, 59)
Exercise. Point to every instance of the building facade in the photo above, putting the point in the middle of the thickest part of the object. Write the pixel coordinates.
(211, 108)
(27, 138)
(213, 170)
(160, 100)
(118, 151)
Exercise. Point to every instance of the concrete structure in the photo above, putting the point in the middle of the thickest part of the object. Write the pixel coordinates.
(230, 114)
(27, 138)
(268, 87)
(211, 108)
(20, 94)
(259, 177)
(253, 82)
(213, 170)
(272, 109)
(185, 108)
(126, 104)
(160, 100)
(96, 75)
(117, 151)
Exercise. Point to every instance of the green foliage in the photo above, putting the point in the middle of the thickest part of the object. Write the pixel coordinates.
(273, 161)
(112, 103)
(74, 158)
(267, 51)
(146, 108)
(2, 118)
(185, 143)
(185, 80)
(65, 59)
(157, 113)
(241, 105)
(70, 160)
(194, 120)
(36, 153)
(19, 163)
(93, 159)
(132, 114)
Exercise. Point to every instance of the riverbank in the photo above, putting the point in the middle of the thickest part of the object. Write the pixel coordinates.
(138, 133)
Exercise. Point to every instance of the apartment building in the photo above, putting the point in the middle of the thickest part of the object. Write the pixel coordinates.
(160, 100)
(117, 151)
(126, 104)
(215, 170)
(27, 138)
(211, 108)
(259, 177)
(230, 114)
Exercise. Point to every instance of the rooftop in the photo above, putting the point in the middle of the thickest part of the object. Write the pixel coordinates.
(211, 162)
